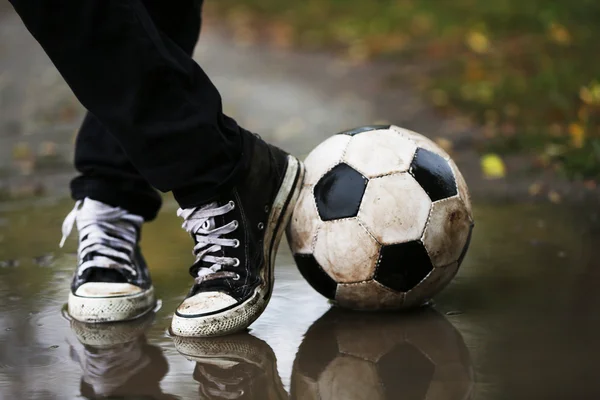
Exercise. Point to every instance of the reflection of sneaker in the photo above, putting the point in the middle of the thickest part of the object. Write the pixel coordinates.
(112, 282)
(238, 366)
(236, 239)
(116, 359)
(355, 355)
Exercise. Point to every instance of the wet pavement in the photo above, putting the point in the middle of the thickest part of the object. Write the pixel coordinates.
(519, 321)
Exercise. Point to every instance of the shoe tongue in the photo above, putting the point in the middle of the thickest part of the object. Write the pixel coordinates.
(96, 274)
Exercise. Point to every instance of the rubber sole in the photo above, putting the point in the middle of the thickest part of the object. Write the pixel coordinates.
(241, 316)
(111, 309)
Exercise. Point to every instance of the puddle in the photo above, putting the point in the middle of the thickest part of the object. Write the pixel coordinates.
(519, 321)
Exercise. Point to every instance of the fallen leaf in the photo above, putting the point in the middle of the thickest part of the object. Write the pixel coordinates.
(439, 97)
(445, 144)
(535, 189)
(554, 197)
(590, 184)
(577, 134)
(559, 34)
(493, 166)
(478, 42)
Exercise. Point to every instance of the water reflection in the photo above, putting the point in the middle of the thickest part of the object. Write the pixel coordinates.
(117, 360)
(349, 355)
(239, 366)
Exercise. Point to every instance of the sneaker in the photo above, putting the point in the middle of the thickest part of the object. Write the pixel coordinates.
(117, 360)
(237, 367)
(112, 282)
(236, 239)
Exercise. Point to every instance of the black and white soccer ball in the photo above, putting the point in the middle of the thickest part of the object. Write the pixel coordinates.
(348, 355)
(383, 221)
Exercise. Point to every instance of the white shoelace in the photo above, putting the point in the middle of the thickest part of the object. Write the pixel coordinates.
(97, 223)
(200, 223)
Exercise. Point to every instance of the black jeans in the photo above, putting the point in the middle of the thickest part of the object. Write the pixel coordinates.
(154, 118)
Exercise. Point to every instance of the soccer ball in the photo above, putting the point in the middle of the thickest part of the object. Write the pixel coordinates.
(345, 355)
(383, 221)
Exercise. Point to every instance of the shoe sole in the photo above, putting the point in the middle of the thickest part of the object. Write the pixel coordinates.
(111, 334)
(111, 309)
(241, 316)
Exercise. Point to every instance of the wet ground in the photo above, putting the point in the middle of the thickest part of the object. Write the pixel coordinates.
(519, 321)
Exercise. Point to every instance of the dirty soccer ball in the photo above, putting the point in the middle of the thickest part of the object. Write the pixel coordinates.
(383, 221)
(418, 356)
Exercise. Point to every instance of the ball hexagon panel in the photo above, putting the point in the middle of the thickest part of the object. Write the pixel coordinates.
(422, 141)
(364, 337)
(380, 152)
(403, 266)
(463, 189)
(324, 157)
(446, 233)
(346, 264)
(313, 273)
(409, 379)
(348, 377)
(434, 174)
(437, 280)
(356, 131)
(395, 208)
(339, 192)
(369, 295)
(305, 221)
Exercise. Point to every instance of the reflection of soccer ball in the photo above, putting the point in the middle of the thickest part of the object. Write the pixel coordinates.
(346, 355)
(384, 219)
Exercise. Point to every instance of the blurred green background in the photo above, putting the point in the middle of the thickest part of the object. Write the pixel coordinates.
(528, 71)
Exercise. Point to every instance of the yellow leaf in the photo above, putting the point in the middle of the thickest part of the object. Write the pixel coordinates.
(586, 95)
(535, 189)
(478, 42)
(559, 34)
(595, 90)
(439, 97)
(445, 144)
(493, 166)
(554, 197)
(577, 134)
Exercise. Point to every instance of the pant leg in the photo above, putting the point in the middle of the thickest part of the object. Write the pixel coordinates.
(151, 96)
(107, 175)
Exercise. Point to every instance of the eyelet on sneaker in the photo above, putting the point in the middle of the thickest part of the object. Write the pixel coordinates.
(231, 203)
(237, 262)
(237, 244)
(237, 277)
(266, 209)
(261, 226)
(236, 224)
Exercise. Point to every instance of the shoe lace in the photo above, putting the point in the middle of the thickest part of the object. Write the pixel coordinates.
(200, 223)
(109, 233)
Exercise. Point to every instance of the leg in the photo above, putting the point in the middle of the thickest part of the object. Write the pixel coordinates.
(167, 117)
(107, 175)
(151, 96)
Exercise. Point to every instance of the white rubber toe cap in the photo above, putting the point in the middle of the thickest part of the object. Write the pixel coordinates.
(107, 289)
(204, 303)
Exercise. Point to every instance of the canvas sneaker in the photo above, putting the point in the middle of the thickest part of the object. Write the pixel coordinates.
(117, 360)
(112, 282)
(239, 366)
(236, 239)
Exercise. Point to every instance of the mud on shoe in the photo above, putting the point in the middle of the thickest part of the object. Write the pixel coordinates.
(236, 239)
(112, 282)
